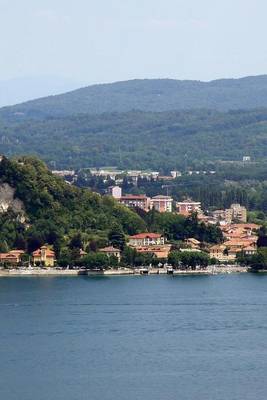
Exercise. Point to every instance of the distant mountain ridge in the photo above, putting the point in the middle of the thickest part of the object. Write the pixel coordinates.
(138, 139)
(149, 95)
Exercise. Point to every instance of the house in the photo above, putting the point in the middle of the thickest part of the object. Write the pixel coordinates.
(146, 239)
(159, 251)
(161, 203)
(114, 191)
(188, 207)
(219, 251)
(111, 251)
(13, 257)
(83, 253)
(44, 256)
(136, 201)
(250, 250)
(193, 243)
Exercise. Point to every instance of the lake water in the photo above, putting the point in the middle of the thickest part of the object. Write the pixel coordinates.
(131, 338)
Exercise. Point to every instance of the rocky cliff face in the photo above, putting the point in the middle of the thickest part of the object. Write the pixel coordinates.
(8, 200)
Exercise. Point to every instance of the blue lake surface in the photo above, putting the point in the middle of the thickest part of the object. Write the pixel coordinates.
(131, 338)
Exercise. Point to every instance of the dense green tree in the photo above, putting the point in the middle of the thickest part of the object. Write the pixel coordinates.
(116, 237)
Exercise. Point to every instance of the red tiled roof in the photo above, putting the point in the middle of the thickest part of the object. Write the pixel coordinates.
(49, 253)
(7, 256)
(146, 235)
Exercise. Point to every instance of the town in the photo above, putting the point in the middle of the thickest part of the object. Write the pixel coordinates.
(150, 251)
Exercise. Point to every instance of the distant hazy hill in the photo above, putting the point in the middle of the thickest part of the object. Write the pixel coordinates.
(151, 95)
(139, 139)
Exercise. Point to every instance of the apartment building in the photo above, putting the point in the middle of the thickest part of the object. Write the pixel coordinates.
(140, 201)
(161, 203)
(188, 206)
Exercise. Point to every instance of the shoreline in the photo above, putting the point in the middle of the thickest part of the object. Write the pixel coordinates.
(122, 272)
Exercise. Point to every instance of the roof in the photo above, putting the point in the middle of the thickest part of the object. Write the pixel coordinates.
(7, 256)
(146, 236)
(193, 240)
(188, 201)
(159, 196)
(109, 249)
(217, 247)
(49, 253)
(17, 252)
(249, 248)
(134, 197)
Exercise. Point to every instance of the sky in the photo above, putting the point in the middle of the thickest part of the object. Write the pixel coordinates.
(95, 41)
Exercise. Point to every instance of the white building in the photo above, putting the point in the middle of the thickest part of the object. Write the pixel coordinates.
(161, 203)
(114, 191)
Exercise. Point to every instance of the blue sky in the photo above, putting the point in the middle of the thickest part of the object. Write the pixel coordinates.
(110, 40)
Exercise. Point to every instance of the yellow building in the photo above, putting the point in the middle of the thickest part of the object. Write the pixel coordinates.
(44, 256)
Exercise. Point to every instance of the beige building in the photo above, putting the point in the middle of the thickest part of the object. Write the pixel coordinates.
(13, 257)
(239, 213)
(111, 251)
(236, 213)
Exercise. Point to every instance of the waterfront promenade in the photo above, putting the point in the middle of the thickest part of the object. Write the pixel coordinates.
(211, 270)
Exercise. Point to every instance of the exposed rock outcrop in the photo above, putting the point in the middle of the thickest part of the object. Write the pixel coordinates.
(8, 200)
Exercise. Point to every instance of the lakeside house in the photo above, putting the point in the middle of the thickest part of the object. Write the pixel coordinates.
(146, 239)
(150, 243)
(111, 251)
(13, 257)
(44, 256)
(158, 251)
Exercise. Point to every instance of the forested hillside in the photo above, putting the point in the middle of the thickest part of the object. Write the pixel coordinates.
(55, 211)
(150, 95)
(138, 139)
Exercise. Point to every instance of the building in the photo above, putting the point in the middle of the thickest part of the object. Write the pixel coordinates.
(176, 174)
(146, 239)
(188, 206)
(140, 201)
(63, 173)
(111, 251)
(239, 213)
(114, 191)
(219, 251)
(193, 243)
(13, 257)
(236, 213)
(44, 256)
(161, 203)
(150, 243)
(160, 251)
